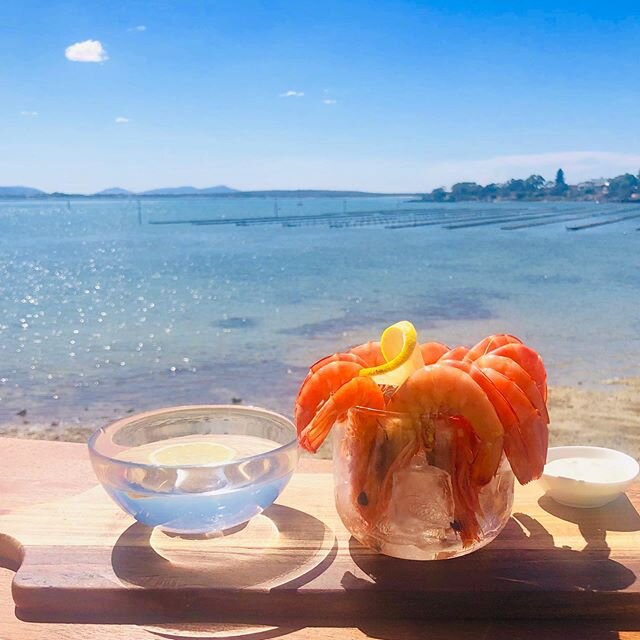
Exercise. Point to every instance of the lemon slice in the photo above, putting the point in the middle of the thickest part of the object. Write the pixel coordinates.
(192, 453)
(400, 349)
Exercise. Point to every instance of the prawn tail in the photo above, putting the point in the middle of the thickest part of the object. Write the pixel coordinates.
(316, 432)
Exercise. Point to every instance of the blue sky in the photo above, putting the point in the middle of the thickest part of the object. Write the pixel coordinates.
(397, 96)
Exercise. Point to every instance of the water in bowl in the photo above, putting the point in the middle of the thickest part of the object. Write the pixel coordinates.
(191, 484)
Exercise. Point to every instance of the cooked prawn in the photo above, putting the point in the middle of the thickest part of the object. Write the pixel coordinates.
(359, 449)
(438, 389)
(525, 451)
(335, 357)
(485, 459)
(318, 388)
(457, 353)
(370, 352)
(463, 450)
(433, 351)
(358, 391)
(376, 448)
(342, 357)
(444, 391)
(515, 372)
(529, 360)
(491, 343)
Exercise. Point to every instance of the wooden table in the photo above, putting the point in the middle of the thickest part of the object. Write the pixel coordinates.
(37, 473)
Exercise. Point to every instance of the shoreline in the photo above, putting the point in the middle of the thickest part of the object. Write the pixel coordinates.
(605, 418)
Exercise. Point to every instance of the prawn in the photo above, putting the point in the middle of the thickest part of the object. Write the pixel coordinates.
(433, 351)
(491, 343)
(525, 429)
(457, 353)
(515, 372)
(445, 391)
(485, 459)
(441, 389)
(318, 388)
(525, 453)
(529, 360)
(357, 391)
(335, 357)
(341, 357)
(370, 352)
(463, 451)
(376, 448)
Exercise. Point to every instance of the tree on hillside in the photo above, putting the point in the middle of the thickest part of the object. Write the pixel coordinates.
(514, 188)
(490, 192)
(560, 186)
(534, 182)
(439, 195)
(466, 191)
(621, 187)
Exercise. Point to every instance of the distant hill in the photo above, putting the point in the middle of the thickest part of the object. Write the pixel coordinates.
(219, 189)
(20, 192)
(114, 191)
(187, 191)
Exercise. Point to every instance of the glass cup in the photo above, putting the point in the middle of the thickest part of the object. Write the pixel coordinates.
(403, 485)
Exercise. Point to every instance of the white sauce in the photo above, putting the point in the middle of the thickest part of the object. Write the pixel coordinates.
(587, 469)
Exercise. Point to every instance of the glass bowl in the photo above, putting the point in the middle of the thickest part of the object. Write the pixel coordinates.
(195, 469)
(396, 490)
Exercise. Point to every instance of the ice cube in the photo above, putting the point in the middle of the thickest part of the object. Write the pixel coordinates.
(421, 506)
(496, 498)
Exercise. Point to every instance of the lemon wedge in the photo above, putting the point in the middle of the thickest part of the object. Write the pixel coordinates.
(400, 349)
(192, 453)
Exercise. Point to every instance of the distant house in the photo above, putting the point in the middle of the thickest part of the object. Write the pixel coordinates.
(596, 184)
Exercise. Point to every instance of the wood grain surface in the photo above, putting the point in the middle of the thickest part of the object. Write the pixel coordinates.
(78, 558)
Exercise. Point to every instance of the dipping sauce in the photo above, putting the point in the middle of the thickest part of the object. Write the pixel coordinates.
(587, 469)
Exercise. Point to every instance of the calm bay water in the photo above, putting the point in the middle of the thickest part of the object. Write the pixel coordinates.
(100, 315)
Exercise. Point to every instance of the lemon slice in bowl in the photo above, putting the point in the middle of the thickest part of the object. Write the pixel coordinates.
(400, 349)
(192, 453)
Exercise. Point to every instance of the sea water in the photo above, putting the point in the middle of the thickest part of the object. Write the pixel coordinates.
(213, 496)
(101, 315)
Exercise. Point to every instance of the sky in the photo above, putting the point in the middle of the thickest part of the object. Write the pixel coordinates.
(380, 96)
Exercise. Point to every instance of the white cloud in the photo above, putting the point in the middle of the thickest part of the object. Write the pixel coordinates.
(140, 27)
(577, 165)
(292, 94)
(29, 114)
(122, 120)
(86, 51)
(329, 101)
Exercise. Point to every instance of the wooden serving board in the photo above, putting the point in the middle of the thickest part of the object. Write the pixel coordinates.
(78, 557)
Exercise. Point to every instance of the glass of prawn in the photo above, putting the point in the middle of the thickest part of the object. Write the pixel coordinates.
(424, 468)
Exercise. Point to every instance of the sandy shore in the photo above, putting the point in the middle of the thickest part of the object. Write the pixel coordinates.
(608, 418)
